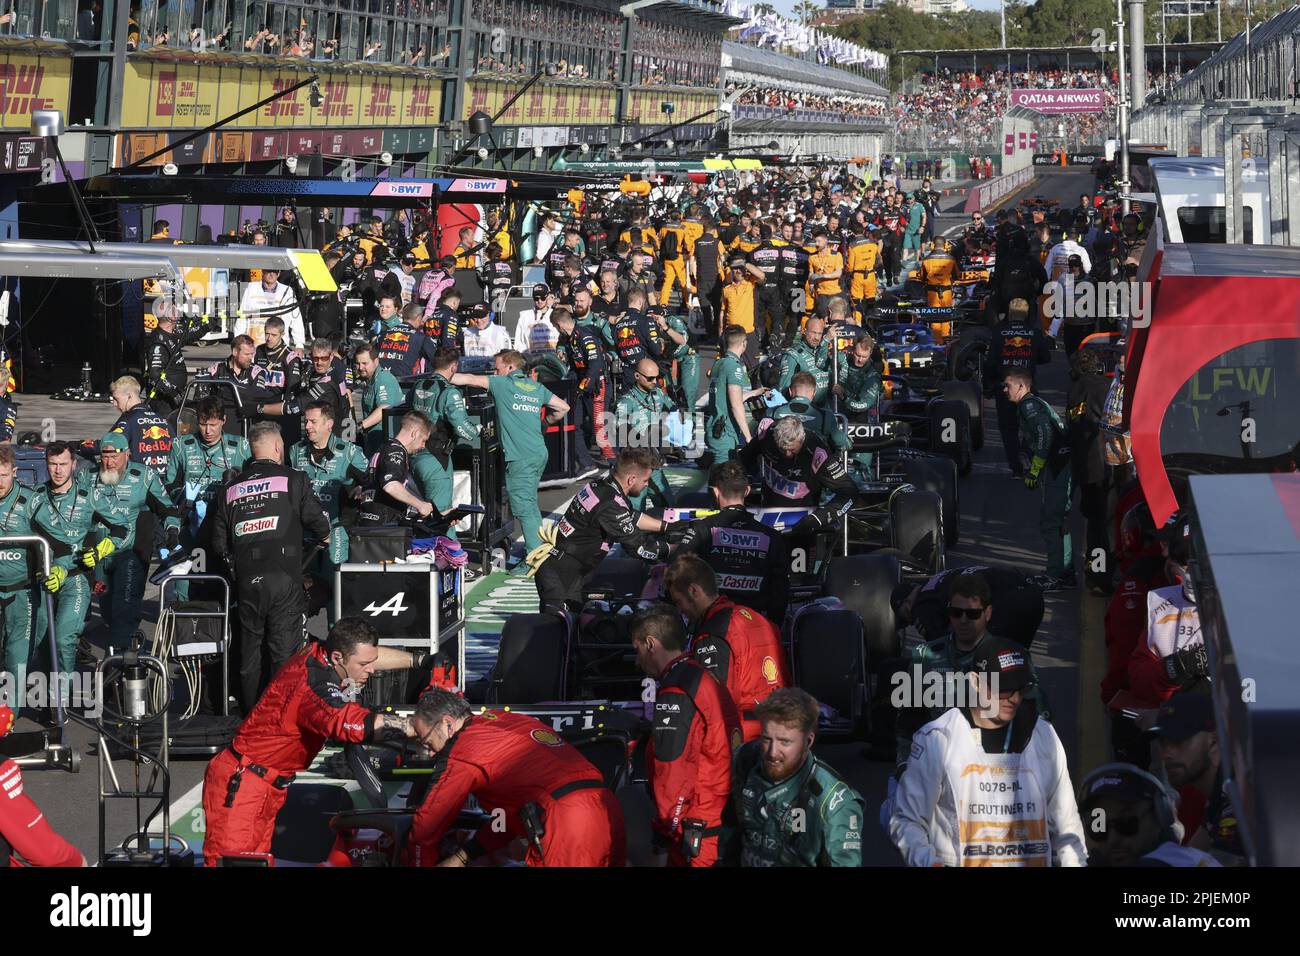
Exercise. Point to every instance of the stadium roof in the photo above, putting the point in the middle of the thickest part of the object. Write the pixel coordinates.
(752, 59)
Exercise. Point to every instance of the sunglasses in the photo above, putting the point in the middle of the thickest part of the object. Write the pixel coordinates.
(1124, 826)
(970, 613)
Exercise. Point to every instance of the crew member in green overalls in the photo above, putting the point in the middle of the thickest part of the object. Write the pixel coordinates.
(726, 426)
(16, 582)
(818, 420)
(382, 391)
(520, 406)
(861, 383)
(333, 465)
(811, 354)
(687, 374)
(1044, 437)
(639, 423)
(444, 405)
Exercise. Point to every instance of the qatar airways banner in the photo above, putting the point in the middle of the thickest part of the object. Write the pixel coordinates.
(1053, 102)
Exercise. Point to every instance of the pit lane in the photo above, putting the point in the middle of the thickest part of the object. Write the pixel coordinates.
(999, 527)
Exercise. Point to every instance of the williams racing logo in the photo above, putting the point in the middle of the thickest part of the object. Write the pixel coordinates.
(256, 526)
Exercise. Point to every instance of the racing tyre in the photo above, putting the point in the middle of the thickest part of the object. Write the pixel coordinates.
(827, 659)
(969, 393)
(950, 426)
(940, 476)
(863, 583)
(916, 527)
(530, 661)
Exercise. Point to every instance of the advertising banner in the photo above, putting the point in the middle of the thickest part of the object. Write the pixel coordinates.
(543, 105)
(29, 82)
(162, 95)
(1053, 102)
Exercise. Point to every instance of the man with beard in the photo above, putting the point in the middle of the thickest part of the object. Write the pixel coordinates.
(793, 809)
(1189, 750)
(123, 491)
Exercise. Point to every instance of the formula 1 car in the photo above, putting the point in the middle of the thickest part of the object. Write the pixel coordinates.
(945, 416)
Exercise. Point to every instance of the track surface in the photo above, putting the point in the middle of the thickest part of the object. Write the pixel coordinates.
(999, 526)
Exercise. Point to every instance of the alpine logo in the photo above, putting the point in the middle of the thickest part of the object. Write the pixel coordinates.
(394, 605)
(256, 526)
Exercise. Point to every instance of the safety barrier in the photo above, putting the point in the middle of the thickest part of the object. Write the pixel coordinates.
(986, 194)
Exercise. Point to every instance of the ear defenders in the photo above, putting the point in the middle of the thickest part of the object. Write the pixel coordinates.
(1163, 797)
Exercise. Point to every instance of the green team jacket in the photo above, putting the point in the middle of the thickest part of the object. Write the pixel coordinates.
(341, 465)
(801, 357)
(811, 819)
(1041, 430)
(442, 401)
(118, 506)
(728, 370)
(944, 657)
(862, 386)
(16, 519)
(195, 470)
(639, 412)
(815, 419)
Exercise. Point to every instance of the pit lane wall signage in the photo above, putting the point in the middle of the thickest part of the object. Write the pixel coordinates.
(164, 95)
(983, 196)
(1057, 102)
(1019, 140)
(1071, 159)
(543, 105)
(30, 82)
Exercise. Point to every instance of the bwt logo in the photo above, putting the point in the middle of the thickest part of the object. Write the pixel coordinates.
(20, 90)
(402, 189)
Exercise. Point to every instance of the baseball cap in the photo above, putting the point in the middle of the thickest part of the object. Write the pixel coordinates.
(1184, 715)
(1007, 660)
(478, 311)
(408, 259)
(541, 289)
(113, 441)
(1121, 781)
(1177, 535)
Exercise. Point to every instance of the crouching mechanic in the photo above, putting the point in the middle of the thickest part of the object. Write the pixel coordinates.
(737, 645)
(520, 772)
(795, 468)
(696, 731)
(311, 700)
(598, 516)
(26, 837)
(987, 783)
(792, 809)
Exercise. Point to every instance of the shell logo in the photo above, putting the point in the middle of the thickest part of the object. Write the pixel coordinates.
(546, 738)
(769, 670)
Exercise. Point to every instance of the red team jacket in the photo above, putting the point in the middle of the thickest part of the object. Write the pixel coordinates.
(24, 831)
(742, 649)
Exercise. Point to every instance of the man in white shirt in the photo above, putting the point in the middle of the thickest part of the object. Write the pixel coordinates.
(547, 236)
(1058, 259)
(535, 330)
(483, 337)
(266, 298)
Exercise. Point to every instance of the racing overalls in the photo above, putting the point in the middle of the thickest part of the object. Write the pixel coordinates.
(444, 405)
(987, 798)
(640, 424)
(121, 509)
(245, 785)
(1171, 655)
(688, 763)
(25, 833)
(1044, 436)
(165, 375)
(769, 305)
(792, 276)
(1013, 347)
(674, 264)
(442, 327)
(812, 818)
(520, 404)
(1126, 624)
(862, 385)
(938, 269)
(686, 373)
(19, 569)
(195, 472)
(383, 389)
(818, 420)
(332, 470)
(636, 336)
(148, 437)
(328, 387)
(402, 348)
(278, 371)
(583, 355)
(498, 277)
(742, 649)
(748, 558)
(377, 507)
(863, 255)
(507, 762)
(257, 527)
(802, 357)
(598, 516)
(722, 432)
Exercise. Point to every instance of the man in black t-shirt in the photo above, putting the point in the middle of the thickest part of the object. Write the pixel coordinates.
(390, 495)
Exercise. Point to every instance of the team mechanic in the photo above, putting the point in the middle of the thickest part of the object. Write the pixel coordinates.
(444, 405)
(737, 645)
(258, 531)
(696, 730)
(550, 795)
(310, 700)
(793, 809)
(598, 515)
(795, 467)
(748, 557)
(26, 837)
(333, 466)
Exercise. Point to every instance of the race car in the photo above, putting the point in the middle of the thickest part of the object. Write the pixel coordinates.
(906, 346)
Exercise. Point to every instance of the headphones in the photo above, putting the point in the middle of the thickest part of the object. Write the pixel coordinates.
(1163, 797)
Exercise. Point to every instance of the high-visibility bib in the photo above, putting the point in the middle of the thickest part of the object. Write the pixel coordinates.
(1001, 806)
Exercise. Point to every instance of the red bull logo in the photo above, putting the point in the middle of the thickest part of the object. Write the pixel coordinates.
(1019, 342)
(155, 433)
